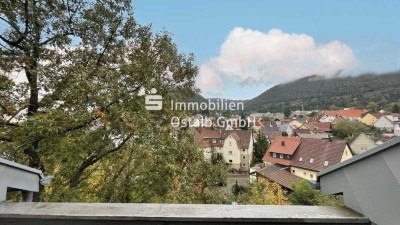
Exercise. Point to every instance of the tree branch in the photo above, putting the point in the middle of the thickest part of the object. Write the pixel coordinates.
(92, 159)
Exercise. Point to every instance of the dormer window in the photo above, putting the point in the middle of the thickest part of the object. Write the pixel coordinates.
(311, 160)
(326, 163)
(301, 159)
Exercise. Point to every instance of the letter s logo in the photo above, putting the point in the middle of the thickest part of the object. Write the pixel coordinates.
(153, 101)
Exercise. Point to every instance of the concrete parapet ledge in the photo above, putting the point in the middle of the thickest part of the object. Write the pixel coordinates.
(121, 214)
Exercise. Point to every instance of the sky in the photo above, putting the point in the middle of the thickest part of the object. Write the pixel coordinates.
(244, 47)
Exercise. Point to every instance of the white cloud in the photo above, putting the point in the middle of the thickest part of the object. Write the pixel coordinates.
(209, 82)
(251, 57)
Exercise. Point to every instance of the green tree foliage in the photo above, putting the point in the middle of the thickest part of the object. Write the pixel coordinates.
(238, 189)
(345, 128)
(217, 158)
(285, 134)
(373, 107)
(303, 194)
(79, 112)
(260, 146)
(287, 112)
(396, 108)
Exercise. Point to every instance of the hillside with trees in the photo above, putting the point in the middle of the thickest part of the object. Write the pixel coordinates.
(316, 92)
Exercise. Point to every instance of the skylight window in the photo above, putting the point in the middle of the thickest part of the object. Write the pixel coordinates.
(326, 163)
(311, 160)
(301, 159)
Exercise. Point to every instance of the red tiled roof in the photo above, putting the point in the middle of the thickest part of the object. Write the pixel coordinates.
(349, 113)
(285, 145)
(320, 150)
(279, 175)
(289, 147)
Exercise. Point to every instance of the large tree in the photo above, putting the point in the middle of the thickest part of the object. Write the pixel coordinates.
(73, 75)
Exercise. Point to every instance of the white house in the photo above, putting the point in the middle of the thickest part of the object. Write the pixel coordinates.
(385, 124)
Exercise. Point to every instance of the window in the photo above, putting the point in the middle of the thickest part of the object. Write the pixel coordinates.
(287, 156)
(305, 173)
(311, 176)
(230, 143)
(311, 160)
(230, 152)
(274, 155)
(214, 141)
(230, 161)
(326, 163)
(244, 157)
(294, 171)
(244, 164)
(281, 156)
(301, 159)
(244, 150)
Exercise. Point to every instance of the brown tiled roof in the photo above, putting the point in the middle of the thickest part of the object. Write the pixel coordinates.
(347, 113)
(302, 131)
(280, 175)
(206, 135)
(242, 137)
(320, 150)
(273, 134)
(377, 115)
(319, 127)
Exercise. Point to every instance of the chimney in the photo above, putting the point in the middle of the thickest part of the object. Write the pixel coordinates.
(283, 143)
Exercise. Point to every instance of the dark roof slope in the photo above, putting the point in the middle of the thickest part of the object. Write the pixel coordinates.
(280, 175)
(319, 150)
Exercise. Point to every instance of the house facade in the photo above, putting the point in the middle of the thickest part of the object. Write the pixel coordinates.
(235, 146)
(384, 124)
(370, 118)
(361, 143)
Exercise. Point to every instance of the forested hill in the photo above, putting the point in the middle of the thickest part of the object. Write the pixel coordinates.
(316, 92)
